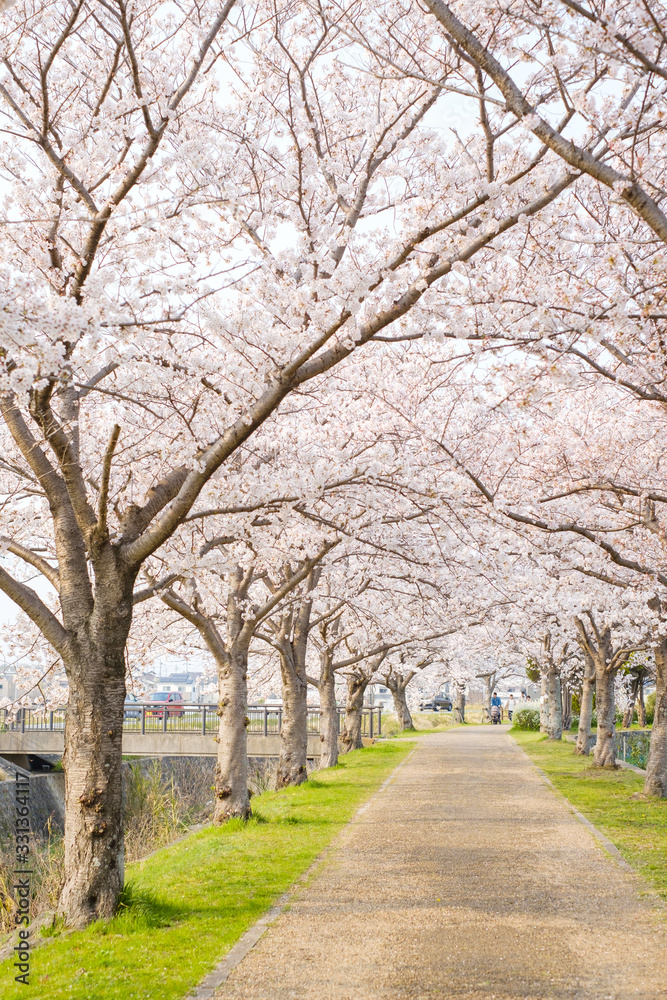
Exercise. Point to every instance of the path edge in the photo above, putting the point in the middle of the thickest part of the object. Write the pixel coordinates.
(601, 837)
(209, 986)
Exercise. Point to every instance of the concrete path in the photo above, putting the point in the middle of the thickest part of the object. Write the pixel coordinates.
(466, 877)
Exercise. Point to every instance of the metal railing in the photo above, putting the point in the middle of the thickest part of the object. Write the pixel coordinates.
(632, 746)
(168, 717)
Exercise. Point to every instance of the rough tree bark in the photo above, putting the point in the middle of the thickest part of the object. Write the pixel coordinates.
(605, 746)
(460, 705)
(288, 634)
(488, 680)
(555, 704)
(357, 682)
(326, 685)
(331, 637)
(232, 796)
(632, 698)
(566, 698)
(292, 642)
(641, 704)
(656, 767)
(544, 700)
(329, 628)
(94, 837)
(584, 734)
(94, 581)
(398, 693)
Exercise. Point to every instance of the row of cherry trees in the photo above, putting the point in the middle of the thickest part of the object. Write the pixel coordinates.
(319, 330)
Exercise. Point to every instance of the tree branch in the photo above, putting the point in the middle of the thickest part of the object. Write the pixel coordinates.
(28, 601)
(30, 557)
(628, 189)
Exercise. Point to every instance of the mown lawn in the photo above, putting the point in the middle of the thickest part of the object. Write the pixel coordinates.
(638, 827)
(424, 723)
(189, 903)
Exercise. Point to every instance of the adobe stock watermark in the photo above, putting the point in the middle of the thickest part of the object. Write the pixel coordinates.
(22, 878)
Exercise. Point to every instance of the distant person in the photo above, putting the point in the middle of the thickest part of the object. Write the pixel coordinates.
(510, 707)
(496, 703)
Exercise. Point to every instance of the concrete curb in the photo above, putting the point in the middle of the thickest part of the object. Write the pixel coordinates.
(208, 987)
(602, 838)
(609, 847)
(630, 767)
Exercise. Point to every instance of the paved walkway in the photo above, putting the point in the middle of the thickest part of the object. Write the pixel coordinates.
(468, 878)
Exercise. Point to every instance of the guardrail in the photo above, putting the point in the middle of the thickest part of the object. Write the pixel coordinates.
(155, 717)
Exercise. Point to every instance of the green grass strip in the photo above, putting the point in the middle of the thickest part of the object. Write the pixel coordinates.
(637, 826)
(189, 903)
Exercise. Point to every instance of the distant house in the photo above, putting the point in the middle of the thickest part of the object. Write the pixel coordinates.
(143, 683)
(188, 685)
(379, 696)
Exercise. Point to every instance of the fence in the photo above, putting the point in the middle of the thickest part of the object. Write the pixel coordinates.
(632, 746)
(182, 718)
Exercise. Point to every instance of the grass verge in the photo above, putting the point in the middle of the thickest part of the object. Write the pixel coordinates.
(424, 722)
(187, 905)
(638, 827)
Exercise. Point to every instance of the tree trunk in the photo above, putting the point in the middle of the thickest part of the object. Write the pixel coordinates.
(488, 681)
(230, 652)
(632, 698)
(584, 734)
(293, 761)
(328, 714)
(356, 689)
(544, 700)
(605, 749)
(398, 692)
(641, 706)
(292, 764)
(92, 761)
(555, 723)
(656, 767)
(460, 703)
(566, 698)
(232, 798)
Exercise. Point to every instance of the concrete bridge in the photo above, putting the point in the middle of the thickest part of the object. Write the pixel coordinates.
(177, 730)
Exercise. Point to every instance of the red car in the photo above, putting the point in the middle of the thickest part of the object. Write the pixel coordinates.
(168, 698)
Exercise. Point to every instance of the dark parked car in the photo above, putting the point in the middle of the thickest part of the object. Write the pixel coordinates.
(436, 705)
(171, 701)
(132, 707)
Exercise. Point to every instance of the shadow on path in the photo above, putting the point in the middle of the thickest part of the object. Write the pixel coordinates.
(465, 878)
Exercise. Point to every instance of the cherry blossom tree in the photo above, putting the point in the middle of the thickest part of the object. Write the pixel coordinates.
(195, 241)
(397, 676)
(150, 321)
(573, 53)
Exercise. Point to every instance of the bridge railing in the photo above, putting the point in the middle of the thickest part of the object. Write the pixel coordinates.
(156, 717)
